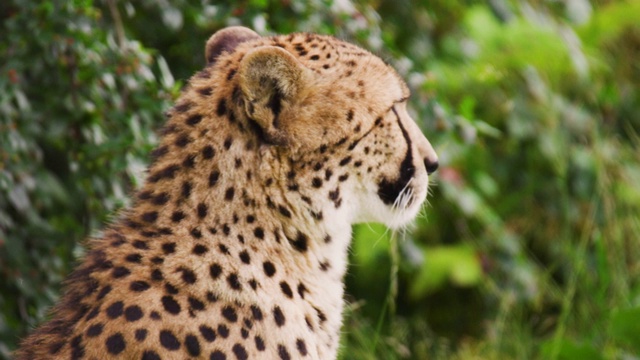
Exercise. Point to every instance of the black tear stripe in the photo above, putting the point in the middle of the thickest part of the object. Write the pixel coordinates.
(388, 191)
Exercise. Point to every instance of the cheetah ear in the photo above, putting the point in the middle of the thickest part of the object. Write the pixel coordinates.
(272, 82)
(227, 40)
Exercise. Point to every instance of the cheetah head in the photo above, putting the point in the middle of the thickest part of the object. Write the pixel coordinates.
(335, 113)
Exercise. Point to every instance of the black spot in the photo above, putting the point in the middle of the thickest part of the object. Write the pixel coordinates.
(221, 110)
(328, 174)
(240, 352)
(169, 341)
(139, 286)
(202, 210)
(156, 275)
(244, 257)
(269, 268)
(194, 119)
(227, 143)
(233, 281)
(300, 243)
(183, 107)
(196, 233)
(207, 333)
(314, 57)
(169, 248)
(208, 152)
(150, 355)
(133, 313)
(228, 194)
(150, 216)
(317, 215)
(182, 140)
(161, 199)
(188, 276)
(91, 315)
(55, 347)
(192, 344)
(302, 347)
(325, 265)
(205, 91)
(169, 172)
(259, 343)
(199, 249)
(171, 289)
(177, 216)
(133, 258)
(321, 315)
(217, 355)
(115, 310)
(115, 344)
(283, 353)
(316, 182)
(350, 114)
(286, 289)
(189, 161)
(95, 330)
(195, 304)
(215, 270)
(77, 349)
(103, 292)
(302, 290)
(223, 249)
(344, 177)
(278, 316)
(223, 330)
(345, 161)
(229, 313)
(253, 283)
(120, 272)
(170, 305)
(231, 74)
(157, 154)
(258, 232)
(140, 245)
(155, 315)
(141, 334)
(213, 178)
(186, 189)
(308, 321)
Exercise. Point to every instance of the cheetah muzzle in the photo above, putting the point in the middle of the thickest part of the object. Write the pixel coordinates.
(236, 245)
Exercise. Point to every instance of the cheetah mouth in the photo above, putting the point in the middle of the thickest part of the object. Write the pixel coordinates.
(390, 191)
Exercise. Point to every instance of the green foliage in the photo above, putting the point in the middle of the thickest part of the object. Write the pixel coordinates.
(530, 238)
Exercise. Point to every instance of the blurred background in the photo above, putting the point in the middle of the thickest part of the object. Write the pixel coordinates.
(529, 246)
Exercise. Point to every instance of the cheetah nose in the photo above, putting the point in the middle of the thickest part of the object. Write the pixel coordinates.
(430, 165)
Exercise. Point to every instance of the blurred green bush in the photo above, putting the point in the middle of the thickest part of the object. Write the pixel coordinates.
(529, 245)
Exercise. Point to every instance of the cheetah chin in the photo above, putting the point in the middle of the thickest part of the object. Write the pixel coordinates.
(236, 245)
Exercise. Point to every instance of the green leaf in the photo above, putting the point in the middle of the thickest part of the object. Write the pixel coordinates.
(625, 327)
(568, 350)
(458, 264)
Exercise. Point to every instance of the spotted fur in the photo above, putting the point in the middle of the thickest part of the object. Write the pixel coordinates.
(236, 245)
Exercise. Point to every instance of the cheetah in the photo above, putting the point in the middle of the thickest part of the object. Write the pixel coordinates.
(235, 247)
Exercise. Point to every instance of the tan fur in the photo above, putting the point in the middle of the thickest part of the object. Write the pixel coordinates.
(237, 242)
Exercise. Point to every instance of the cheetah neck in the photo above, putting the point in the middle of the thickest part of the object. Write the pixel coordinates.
(270, 237)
